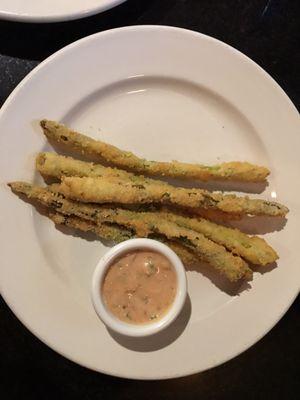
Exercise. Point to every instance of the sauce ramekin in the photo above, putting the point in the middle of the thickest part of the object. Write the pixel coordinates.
(138, 330)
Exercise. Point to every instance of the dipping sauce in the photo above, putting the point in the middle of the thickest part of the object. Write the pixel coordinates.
(140, 286)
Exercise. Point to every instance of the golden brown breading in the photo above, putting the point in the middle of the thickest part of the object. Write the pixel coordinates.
(234, 171)
(117, 190)
(251, 248)
(104, 231)
(119, 234)
(144, 224)
(56, 166)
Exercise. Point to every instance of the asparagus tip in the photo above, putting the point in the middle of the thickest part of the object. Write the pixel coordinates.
(43, 123)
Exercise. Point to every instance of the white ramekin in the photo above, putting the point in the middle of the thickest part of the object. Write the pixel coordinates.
(113, 322)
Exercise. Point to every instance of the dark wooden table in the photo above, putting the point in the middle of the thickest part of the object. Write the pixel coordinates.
(266, 31)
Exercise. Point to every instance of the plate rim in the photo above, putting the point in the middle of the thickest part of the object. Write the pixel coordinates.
(48, 60)
(78, 42)
(27, 18)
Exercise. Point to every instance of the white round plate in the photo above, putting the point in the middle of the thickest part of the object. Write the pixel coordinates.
(164, 93)
(53, 10)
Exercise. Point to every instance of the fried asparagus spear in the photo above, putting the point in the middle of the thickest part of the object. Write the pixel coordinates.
(233, 171)
(56, 166)
(52, 165)
(109, 232)
(144, 224)
(252, 248)
(117, 190)
(119, 234)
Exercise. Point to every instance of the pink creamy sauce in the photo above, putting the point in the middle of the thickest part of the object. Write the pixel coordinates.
(140, 286)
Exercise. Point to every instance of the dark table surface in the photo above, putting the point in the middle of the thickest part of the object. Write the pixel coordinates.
(265, 30)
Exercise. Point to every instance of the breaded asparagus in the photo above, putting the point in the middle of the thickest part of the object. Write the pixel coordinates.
(144, 224)
(251, 248)
(108, 232)
(56, 166)
(119, 234)
(234, 171)
(117, 190)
